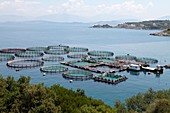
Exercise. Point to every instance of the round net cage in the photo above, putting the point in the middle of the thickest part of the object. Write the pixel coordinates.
(29, 54)
(56, 52)
(6, 57)
(53, 58)
(77, 49)
(125, 57)
(58, 47)
(25, 63)
(101, 53)
(78, 74)
(12, 50)
(147, 60)
(104, 59)
(36, 48)
(53, 69)
(82, 56)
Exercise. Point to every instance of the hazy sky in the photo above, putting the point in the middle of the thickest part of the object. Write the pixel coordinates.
(104, 9)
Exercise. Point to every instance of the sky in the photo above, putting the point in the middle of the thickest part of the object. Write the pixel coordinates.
(90, 9)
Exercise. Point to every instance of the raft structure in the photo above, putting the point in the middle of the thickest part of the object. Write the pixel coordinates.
(110, 78)
(24, 63)
(28, 54)
(12, 50)
(36, 48)
(53, 69)
(77, 75)
(77, 49)
(53, 58)
(6, 57)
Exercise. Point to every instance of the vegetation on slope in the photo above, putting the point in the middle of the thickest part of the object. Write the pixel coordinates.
(22, 97)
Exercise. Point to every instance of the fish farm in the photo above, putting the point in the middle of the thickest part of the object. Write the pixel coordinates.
(100, 66)
(82, 56)
(25, 63)
(29, 54)
(53, 58)
(53, 69)
(78, 75)
(6, 57)
(36, 48)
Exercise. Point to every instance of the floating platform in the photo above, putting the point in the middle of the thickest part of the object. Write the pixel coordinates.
(110, 78)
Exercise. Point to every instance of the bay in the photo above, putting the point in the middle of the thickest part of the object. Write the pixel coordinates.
(120, 41)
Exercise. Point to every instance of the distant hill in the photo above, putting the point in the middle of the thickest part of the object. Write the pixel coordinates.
(163, 33)
(164, 18)
(146, 25)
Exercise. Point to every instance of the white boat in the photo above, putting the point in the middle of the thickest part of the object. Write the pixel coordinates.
(134, 67)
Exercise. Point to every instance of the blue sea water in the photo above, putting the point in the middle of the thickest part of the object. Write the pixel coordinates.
(120, 41)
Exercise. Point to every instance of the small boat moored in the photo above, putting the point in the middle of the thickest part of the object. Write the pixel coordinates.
(134, 67)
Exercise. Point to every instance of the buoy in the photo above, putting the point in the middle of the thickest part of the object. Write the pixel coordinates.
(44, 74)
(71, 81)
(149, 73)
(17, 70)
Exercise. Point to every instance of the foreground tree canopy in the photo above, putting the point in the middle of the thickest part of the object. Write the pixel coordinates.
(19, 96)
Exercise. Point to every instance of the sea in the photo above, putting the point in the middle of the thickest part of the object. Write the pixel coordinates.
(120, 41)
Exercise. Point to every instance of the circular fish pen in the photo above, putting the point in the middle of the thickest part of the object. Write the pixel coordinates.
(53, 69)
(29, 54)
(6, 57)
(53, 58)
(78, 74)
(147, 60)
(25, 63)
(77, 49)
(56, 52)
(36, 48)
(58, 47)
(104, 59)
(82, 56)
(126, 57)
(12, 50)
(101, 53)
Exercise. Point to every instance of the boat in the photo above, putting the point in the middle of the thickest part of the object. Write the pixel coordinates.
(134, 67)
(157, 70)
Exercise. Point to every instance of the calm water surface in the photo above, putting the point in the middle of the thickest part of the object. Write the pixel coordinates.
(119, 41)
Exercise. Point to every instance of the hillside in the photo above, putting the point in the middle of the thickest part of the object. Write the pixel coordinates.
(146, 25)
(19, 96)
(163, 33)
